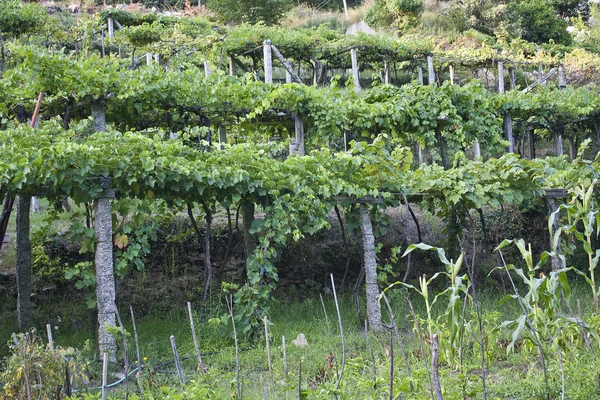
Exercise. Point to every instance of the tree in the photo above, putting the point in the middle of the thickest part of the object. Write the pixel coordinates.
(268, 12)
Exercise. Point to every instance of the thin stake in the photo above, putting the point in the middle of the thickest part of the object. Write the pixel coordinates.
(285, 364)
(177, 361)
(266, 393)
(300, 381)
(266, 322)
(124, 352)
(337, 307)
(201, 367)
(229, 301)
(25, 374)
(50, 341)
(137, 351)
(371, 353)
(391, 366)
(104, 374)
(435, 368)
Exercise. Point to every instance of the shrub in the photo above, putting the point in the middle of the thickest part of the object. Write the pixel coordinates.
(268, 12)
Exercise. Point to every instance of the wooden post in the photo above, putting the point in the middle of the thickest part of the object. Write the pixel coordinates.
(500, 77)
(355, 71)
(111, 27)
(285, 364)
(430, 71)
(222, 134)
(49, 332)
(553, 205)
(508, 128)
(562, 77)
(531, 134)
(476, 150)
(268, 61)
(562, 85)
(386, 72)
(512, 76)
(420, 75)
(207, 70)
(297, 143)
(451, 68)
(177, 361)
(105, 280)
(508, 131)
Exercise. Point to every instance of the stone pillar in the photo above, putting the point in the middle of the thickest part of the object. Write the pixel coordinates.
(105, 280)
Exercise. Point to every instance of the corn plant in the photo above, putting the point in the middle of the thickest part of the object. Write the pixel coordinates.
(581, 212)
(456, 291)
(541, 304)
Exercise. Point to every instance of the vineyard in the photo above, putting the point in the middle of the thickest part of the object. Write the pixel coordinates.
(298, 173)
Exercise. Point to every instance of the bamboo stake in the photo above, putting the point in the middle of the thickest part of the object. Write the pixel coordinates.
(177, 362)
(137, 351)
(201, 367)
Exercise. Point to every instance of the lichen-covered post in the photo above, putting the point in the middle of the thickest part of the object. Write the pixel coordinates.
(105, 280)
(370, 261)
(355, 71)
(420, 75)
(268, 61)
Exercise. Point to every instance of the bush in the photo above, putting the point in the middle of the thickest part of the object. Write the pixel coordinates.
(17, 18)
(539, 23)
(268, 12)
(32, 364)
